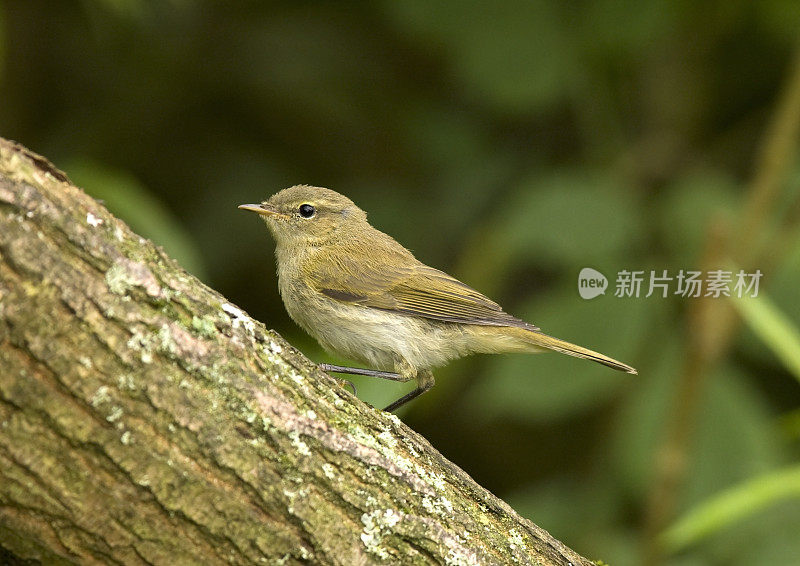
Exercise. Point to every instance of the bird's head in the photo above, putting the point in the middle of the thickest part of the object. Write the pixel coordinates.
(309, 216)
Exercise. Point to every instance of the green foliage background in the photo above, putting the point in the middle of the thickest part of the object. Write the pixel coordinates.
(510, 144)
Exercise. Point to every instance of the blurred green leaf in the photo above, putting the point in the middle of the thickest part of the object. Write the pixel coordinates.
(734, 421)
(583, 513)
(128, 199)
(780, 17)
(688, 206)
(571, 217)
(574, 510)
(773, 327)
(129, 9)
(639, 424)
(790, 424)
(622, 27)
(516, 55)
(734, 435)
(782, 280)
(733, 439)
(733, 504)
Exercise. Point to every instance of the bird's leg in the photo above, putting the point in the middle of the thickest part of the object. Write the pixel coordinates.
(363, 371)
(424, 379)
(424, 382)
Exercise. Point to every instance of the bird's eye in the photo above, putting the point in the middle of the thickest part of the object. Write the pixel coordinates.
(307, 211)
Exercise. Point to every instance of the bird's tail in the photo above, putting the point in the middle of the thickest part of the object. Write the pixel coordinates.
(541, 340)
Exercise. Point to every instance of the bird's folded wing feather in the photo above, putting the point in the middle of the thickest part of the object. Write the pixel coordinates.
(411, 288)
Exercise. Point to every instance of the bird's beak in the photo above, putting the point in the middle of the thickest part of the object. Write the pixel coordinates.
(262, 209)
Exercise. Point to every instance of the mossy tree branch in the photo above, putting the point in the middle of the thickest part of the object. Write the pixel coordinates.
(146, 420)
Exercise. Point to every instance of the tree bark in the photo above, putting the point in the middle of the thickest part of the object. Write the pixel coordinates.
(144, 419)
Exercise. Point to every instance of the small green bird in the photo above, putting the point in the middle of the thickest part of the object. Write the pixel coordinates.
(363, 296)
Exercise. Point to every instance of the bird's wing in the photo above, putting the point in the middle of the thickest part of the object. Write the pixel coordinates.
(411, 288)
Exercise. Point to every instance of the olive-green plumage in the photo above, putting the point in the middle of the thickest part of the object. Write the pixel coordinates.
(364, 296)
